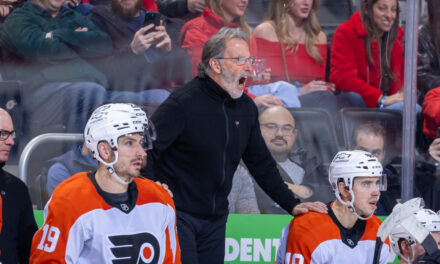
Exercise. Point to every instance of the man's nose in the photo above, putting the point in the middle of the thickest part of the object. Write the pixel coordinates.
(10, 140)
(247, 66)
(279, 132)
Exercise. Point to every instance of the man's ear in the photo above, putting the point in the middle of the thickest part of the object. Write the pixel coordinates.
(343, 189)
(215, 66)
(105, 151)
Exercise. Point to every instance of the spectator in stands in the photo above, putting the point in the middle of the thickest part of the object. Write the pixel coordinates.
(45, 44)
(92, 214)
(218, 14)
(348, 233)
(367, 55)
(279, 132)
(141, 56)
(204, 129)
(17, 222)
(291, 41)
(405, 245)
(242, 198)
(66, 165)
(370, 137)
(428, 70)
(184, 9)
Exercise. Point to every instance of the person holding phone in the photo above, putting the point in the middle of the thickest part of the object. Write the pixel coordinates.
(140, 42)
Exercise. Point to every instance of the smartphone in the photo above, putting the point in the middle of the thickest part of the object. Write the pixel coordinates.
(152, 18)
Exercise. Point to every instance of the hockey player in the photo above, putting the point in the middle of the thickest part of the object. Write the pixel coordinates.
(405, 245)
(110, 215)
(347, 234)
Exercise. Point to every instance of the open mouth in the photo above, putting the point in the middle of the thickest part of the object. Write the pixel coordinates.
(242, 80)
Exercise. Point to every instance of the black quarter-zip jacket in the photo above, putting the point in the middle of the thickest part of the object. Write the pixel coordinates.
(202, 133)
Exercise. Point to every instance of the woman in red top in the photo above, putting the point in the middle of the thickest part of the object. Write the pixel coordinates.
(367, 54)
(294, 47)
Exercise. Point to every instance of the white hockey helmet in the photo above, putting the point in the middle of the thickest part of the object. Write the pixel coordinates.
(348, 165)
(427, 218)
(111, 121)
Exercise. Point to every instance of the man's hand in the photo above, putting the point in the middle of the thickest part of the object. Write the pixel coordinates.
(142, 40)
(73, 3)
(434, 149)
(49, 35)
(315, 86)
(267, 100)
(81, 29)
(303, 208)
(5, 10)
(196, 6)
(300, 190)
(162, 38)
(163, 185)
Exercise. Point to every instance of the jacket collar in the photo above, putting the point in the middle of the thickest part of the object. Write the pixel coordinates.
(43, 12)
(214, 89)
(361, 30)
(214, 19)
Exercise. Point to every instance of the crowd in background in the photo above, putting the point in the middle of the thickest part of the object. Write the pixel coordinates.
(70, 57)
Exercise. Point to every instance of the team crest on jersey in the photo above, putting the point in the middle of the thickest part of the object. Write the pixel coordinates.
(142, 248)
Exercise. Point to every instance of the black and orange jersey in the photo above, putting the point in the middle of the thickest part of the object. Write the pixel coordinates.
(320, 238)
(81, 227)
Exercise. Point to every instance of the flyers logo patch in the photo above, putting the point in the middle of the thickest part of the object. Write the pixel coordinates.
(142, 248)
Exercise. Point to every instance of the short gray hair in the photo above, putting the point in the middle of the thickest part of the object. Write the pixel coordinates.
(215, 47)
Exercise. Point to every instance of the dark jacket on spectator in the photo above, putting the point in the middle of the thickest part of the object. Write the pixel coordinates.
(201, 135)
(350, 70)
(17, 220)
(126, 70)
(428, 64)
(31, 56)
(176, 8)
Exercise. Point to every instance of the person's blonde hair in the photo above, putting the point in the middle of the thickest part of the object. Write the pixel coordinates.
(216, 7)
(277, 14)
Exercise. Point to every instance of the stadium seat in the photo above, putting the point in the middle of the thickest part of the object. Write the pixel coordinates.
(34, 157)
(316, 134)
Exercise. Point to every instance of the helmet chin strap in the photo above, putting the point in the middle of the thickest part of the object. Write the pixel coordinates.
(119, 179)
(111, 169)
(408, 260)
(350, 205)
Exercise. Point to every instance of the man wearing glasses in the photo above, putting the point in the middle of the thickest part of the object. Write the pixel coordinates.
(279, 132)
(17, 223)
(204, 128)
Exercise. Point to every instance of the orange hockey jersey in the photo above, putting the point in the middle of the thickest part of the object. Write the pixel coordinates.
(320, 238)
(81, 227)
